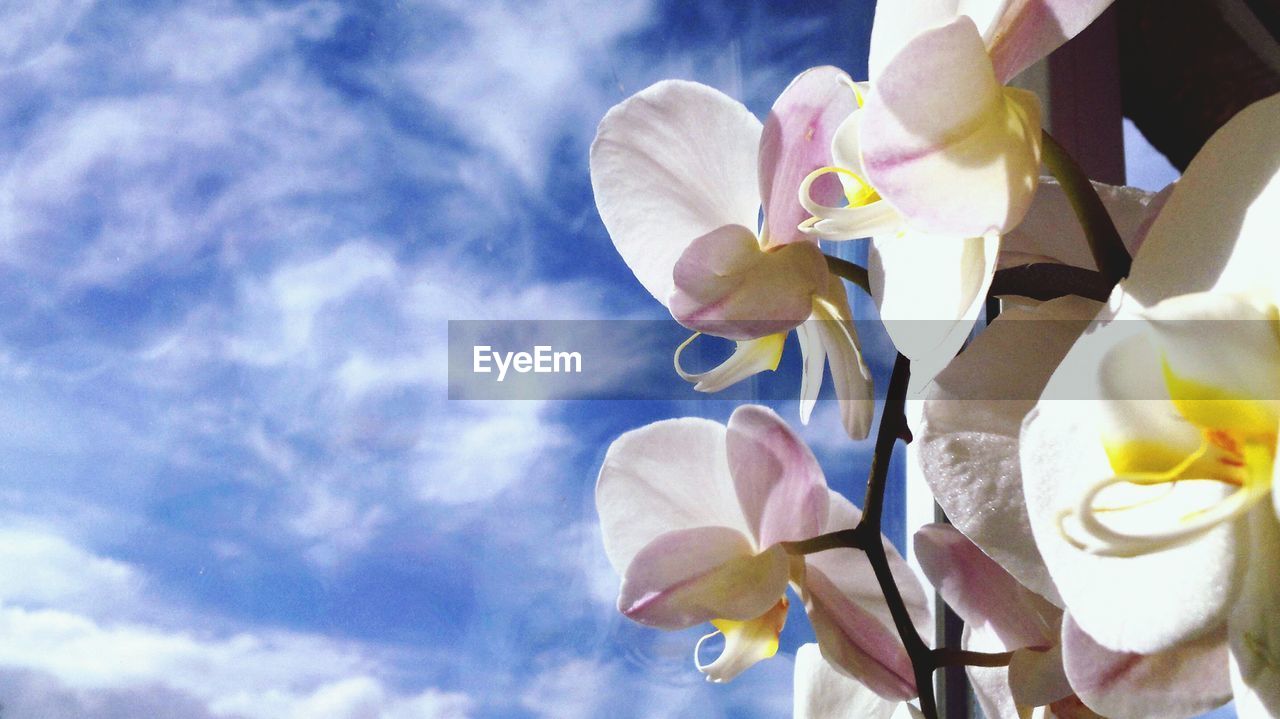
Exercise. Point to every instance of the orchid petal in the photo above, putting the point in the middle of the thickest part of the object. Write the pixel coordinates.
(849, 615)
(1138, 411)
(1185, 680)
(896, 23)
(969, 435)
(779, 483)
(1152, 601)
(1031, 29)
(727, 286)
(1037, 676)
(797, 141)
(1050, 231)
(689, 576)
(749, 358)
(849, 373)
(983, 594)
(668, 165)
(866, 215)
(1253, 631)
(822, 691)
(1220, 353)
(814, 355)
(857, 580)
(990, 684)
(1217, 230)
(854, 639)
(944, 143)
(930, 289)
(665, 476)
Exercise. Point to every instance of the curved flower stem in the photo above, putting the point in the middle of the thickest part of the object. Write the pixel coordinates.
(893, 427)
(1109, 252)
(857, 274)
(868, 538)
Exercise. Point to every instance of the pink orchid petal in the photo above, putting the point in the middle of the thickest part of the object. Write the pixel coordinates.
(690, 576)
(983, 594)
(726, 285)
(856, 579)
(854, 639)
(665, 476)
(944, 143)
(849, 615)
(972, 417)
(1031, 29)
(1217, 229)
(780, 486)
(1183, 681)
(668, 165)
(796, 141)
(822, 691)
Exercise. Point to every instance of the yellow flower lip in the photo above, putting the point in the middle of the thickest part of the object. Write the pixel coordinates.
(745, 643)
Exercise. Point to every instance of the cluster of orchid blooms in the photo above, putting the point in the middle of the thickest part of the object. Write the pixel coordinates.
(1106, 456)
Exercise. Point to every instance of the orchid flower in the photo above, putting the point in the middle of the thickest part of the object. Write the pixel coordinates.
(1153, 507)
(695, 517)
(822, 692)
(681, 173)
(968, 448)
(942, 158)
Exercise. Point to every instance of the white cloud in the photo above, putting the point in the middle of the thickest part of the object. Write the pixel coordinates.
(30, 30)
(496, 69)
(366, 698)
(575, 689)
(260, 675)
(84, 662)
(42, 568)
(195, 45)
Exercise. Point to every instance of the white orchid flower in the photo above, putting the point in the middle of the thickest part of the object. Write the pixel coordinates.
(969, 454)
(1153, 507)
(694, 516)
(942, 159)
(824, 692)
(681, 173)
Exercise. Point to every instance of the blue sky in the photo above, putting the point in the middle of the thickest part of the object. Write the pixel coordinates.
(231, 235)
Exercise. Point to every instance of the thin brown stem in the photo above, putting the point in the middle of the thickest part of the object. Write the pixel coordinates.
(893, 427)
(946, 657)
(1047, 281)
(857, 274)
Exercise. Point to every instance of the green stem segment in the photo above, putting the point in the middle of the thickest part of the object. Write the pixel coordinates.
(1108, 249)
